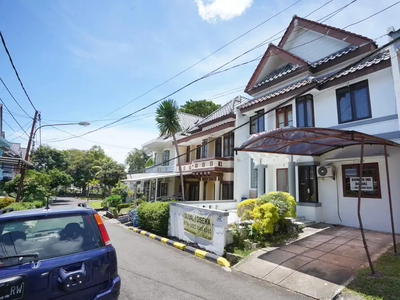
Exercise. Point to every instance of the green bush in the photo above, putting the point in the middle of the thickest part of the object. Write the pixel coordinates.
(265, 217)
(120, 189)
(21, 205)
(245, 209)
(154, 217)
(284, 202)
(114, 211)
(38, 203)
(6, 201)
(112, 201)
(123, 205)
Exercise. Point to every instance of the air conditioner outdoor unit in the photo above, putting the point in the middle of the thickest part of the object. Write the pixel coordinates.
(325, 171)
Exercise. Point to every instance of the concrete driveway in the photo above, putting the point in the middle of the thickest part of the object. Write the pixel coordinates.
(319, 263)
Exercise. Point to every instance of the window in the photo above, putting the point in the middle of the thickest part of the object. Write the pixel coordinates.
(198, 152)
(188, 154)
(218, 147)
(257, 122)
(155, 158)
(164, 189)
(227, 191)
(308, 185)
(228, 144)
(253, 175)
(305, 111)
(282, 183)
(166, 158)
(353, 102)
(284, 117)
(205, 149)
(370, 176)
(53, 236)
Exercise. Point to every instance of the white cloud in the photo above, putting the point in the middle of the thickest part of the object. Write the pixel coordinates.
(222, 9)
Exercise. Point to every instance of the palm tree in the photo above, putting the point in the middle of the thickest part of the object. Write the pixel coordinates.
(167, 119)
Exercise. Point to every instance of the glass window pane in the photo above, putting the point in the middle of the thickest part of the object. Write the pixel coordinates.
(253, 175)
(300, 114)
(361, 103)
(371, 171)
(345, 110)
(309, 111)
(289, 118)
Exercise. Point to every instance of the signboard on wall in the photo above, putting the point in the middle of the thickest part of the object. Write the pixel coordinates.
(367, 184)
(198, 224)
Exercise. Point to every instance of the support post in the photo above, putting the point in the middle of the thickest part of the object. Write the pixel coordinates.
(390, 199)
(134, 194)
(260, 180)
(201, 189)
(155, 194)
(28, 148)
(359, 207)
(292, 177)
(217, 185)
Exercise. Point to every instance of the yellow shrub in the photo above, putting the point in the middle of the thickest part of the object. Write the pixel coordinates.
(284, 202)
(6, 201)
(265, 216)
(245, 209)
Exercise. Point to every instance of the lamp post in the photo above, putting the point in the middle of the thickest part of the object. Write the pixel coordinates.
(55, 125)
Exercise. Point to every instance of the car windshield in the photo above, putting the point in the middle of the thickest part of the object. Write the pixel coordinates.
(47, 237)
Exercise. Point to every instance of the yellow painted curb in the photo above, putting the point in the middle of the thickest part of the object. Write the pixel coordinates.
(200, 253)
(153, 236)
(179, 245)
(143, 232)
(223, 262)
(164, 240)
(134, 229)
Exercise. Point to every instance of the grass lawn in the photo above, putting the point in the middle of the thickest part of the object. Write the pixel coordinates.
(385, 285)
(95, 204)
(125, 210)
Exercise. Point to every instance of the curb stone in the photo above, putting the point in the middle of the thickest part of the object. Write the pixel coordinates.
(197, 252)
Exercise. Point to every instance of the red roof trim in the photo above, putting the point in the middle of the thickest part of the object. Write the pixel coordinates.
(275, 50)
(340, 34)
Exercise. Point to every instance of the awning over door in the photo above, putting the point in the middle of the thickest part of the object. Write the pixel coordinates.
(149, 176)
(308, 141)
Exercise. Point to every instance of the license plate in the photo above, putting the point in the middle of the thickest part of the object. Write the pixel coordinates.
(12, 288)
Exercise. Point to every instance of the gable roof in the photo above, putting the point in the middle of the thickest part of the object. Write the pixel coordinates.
(334, 32)
(297, 64)
(186, 121)
(225, 110)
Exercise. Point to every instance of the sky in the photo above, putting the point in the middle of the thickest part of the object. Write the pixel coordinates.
(82, 60)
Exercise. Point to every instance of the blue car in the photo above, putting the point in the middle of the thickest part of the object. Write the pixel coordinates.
(56, 253)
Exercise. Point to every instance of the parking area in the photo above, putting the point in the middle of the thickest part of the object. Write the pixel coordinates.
(320, 263)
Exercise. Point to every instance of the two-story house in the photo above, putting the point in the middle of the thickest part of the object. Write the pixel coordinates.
(358, 97)
(161, 179)
(209, 154)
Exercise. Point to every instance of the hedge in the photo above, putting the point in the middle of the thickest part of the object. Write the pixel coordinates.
(6, 201)
(123, 205)
(154, 217)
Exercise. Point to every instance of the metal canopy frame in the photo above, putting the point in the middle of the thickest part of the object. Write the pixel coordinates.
(316, 142)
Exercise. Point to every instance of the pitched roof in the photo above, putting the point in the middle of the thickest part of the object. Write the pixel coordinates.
(187, 121)
(366, 63)
(331, 31)
(226, 109)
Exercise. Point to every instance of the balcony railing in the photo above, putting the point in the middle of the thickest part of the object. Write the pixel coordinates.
(160, 169)
(207, 163)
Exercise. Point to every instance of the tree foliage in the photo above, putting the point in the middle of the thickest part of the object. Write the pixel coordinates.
(201, 108)
(46, 159)
(136, 161)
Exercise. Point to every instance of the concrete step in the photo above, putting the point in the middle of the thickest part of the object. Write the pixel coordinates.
(303, 223)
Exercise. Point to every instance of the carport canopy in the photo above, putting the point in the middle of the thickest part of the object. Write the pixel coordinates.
(312, 141)
(308, 141)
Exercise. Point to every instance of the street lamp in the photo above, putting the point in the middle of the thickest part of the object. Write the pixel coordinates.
(83, 123)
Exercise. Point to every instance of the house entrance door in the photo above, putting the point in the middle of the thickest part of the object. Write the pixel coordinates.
(194, 192)
(308, 189)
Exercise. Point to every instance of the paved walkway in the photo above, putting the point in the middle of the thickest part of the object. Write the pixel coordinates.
(320, 263)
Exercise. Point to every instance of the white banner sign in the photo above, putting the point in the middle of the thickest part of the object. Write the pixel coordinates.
(367, 184)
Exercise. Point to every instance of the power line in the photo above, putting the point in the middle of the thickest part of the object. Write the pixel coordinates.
(15, 70)
(14, 117)
(214, 72)
(12, 96)
(203, 59)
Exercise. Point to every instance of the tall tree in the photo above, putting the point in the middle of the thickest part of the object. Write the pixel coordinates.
(46, 159)
(136, 161)
(167, 120)
(109, 172)
(201, 108)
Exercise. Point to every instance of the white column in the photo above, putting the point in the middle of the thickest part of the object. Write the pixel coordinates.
(201, 189)
(155, 194)
(217, 185)
(292, 177)
(260, 180)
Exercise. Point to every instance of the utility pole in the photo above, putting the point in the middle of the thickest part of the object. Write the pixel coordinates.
(28, 148)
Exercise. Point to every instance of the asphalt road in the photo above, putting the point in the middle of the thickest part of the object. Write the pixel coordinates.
(151, 270)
